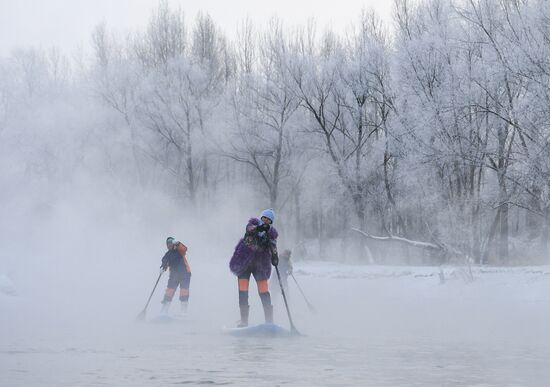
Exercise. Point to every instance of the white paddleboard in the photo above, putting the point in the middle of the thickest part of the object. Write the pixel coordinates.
(269, 330)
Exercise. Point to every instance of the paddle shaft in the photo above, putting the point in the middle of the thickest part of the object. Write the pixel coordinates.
(152, 292)
(292, 327)
(301, 291)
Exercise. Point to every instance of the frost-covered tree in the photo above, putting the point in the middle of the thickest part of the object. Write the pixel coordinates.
(434, 134)
(264, 106)
(341, 88)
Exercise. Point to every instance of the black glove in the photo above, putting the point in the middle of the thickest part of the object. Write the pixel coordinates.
(262, 227)
(274, 259)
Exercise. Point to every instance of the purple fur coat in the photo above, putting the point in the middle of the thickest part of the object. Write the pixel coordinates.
(249, 251)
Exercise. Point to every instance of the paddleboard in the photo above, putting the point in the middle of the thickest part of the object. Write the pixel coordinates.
(269, 330)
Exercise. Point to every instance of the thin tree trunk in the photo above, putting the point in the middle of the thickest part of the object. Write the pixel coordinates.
(546, 232)
(297, 216)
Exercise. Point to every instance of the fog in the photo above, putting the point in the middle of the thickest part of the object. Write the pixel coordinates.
(67, 24)
(407, 161)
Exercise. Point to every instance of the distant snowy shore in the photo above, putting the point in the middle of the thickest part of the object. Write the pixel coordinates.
(337, 270)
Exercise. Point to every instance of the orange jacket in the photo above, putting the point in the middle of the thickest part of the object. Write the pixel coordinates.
(182, 249)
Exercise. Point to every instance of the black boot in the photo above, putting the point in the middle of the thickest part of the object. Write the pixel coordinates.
(244, 316)
(268, 312)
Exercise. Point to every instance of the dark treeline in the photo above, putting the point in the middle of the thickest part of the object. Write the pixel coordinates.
(434, 128)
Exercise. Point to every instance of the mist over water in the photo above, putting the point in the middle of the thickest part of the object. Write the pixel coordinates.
(72, 319)
(372, 325)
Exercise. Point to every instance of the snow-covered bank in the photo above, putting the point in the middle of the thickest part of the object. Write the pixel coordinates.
(336, 270)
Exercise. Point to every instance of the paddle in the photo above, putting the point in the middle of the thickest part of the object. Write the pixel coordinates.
(311, 307)
(293, 329)
(141, 316)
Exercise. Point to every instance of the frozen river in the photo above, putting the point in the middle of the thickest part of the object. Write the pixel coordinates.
(374, 326)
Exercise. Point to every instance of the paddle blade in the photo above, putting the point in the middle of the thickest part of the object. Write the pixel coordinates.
(141, 316)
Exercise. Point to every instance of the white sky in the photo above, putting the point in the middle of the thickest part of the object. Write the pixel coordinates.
(68, 23)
